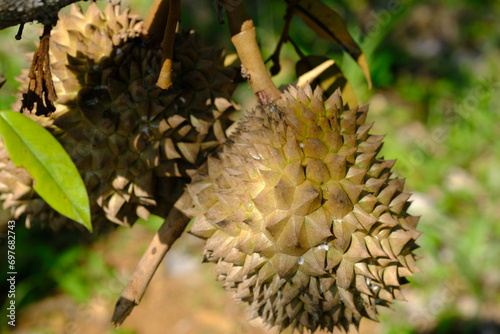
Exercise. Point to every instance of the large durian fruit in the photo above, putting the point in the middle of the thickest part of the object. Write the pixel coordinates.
(305, 223)
(129, 138)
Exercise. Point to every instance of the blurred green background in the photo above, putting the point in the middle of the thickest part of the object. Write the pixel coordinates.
(436, 95)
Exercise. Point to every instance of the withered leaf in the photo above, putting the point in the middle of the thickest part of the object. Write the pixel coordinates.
(328, 24)
(329, 78)
(41, 92)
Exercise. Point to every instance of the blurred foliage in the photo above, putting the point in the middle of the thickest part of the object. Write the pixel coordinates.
(46, 262)
(436, 79)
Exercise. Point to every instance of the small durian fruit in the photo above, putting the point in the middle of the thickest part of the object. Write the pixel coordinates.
(303, 220)
(127, 137)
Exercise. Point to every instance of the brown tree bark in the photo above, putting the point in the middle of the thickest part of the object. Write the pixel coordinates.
(14, 12)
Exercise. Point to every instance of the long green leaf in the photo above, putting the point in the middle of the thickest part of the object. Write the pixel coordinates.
(57, 180)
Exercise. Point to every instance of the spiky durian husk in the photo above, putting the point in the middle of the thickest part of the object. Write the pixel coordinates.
(305, 223)
(126, 136)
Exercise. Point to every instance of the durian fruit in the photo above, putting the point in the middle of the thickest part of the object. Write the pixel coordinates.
(305, 223)
(127, 137)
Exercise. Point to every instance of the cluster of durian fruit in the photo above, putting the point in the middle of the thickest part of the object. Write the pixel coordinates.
(304, 222)
(135, 144)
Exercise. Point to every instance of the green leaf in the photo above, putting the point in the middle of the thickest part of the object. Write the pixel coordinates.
(57, 180)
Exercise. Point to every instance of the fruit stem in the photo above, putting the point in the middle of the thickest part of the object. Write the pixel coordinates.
(155, 22)
(169, 232)
(161, 29)
(244, 39)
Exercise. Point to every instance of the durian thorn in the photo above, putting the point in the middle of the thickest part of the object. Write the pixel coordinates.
(170, 230)
(167, 45)
(244, 39)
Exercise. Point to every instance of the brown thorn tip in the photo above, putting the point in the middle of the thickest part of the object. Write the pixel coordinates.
(123, 308)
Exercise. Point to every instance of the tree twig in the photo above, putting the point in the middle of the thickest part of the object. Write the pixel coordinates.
(169, 232)
(14, 12)
(275, 57)
(244, 39)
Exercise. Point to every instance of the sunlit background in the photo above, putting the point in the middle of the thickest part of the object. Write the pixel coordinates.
(436, 95)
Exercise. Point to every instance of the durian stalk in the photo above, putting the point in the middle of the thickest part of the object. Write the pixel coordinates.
(167, 45)
(161, 25)
(171, 230)
(154, 23)
(244, 39)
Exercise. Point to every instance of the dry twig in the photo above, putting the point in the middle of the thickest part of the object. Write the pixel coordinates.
(161, 25)
(275, 57)
(171, 230)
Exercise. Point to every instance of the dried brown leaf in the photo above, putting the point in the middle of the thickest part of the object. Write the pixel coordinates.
(323, 72)
(328, 24)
